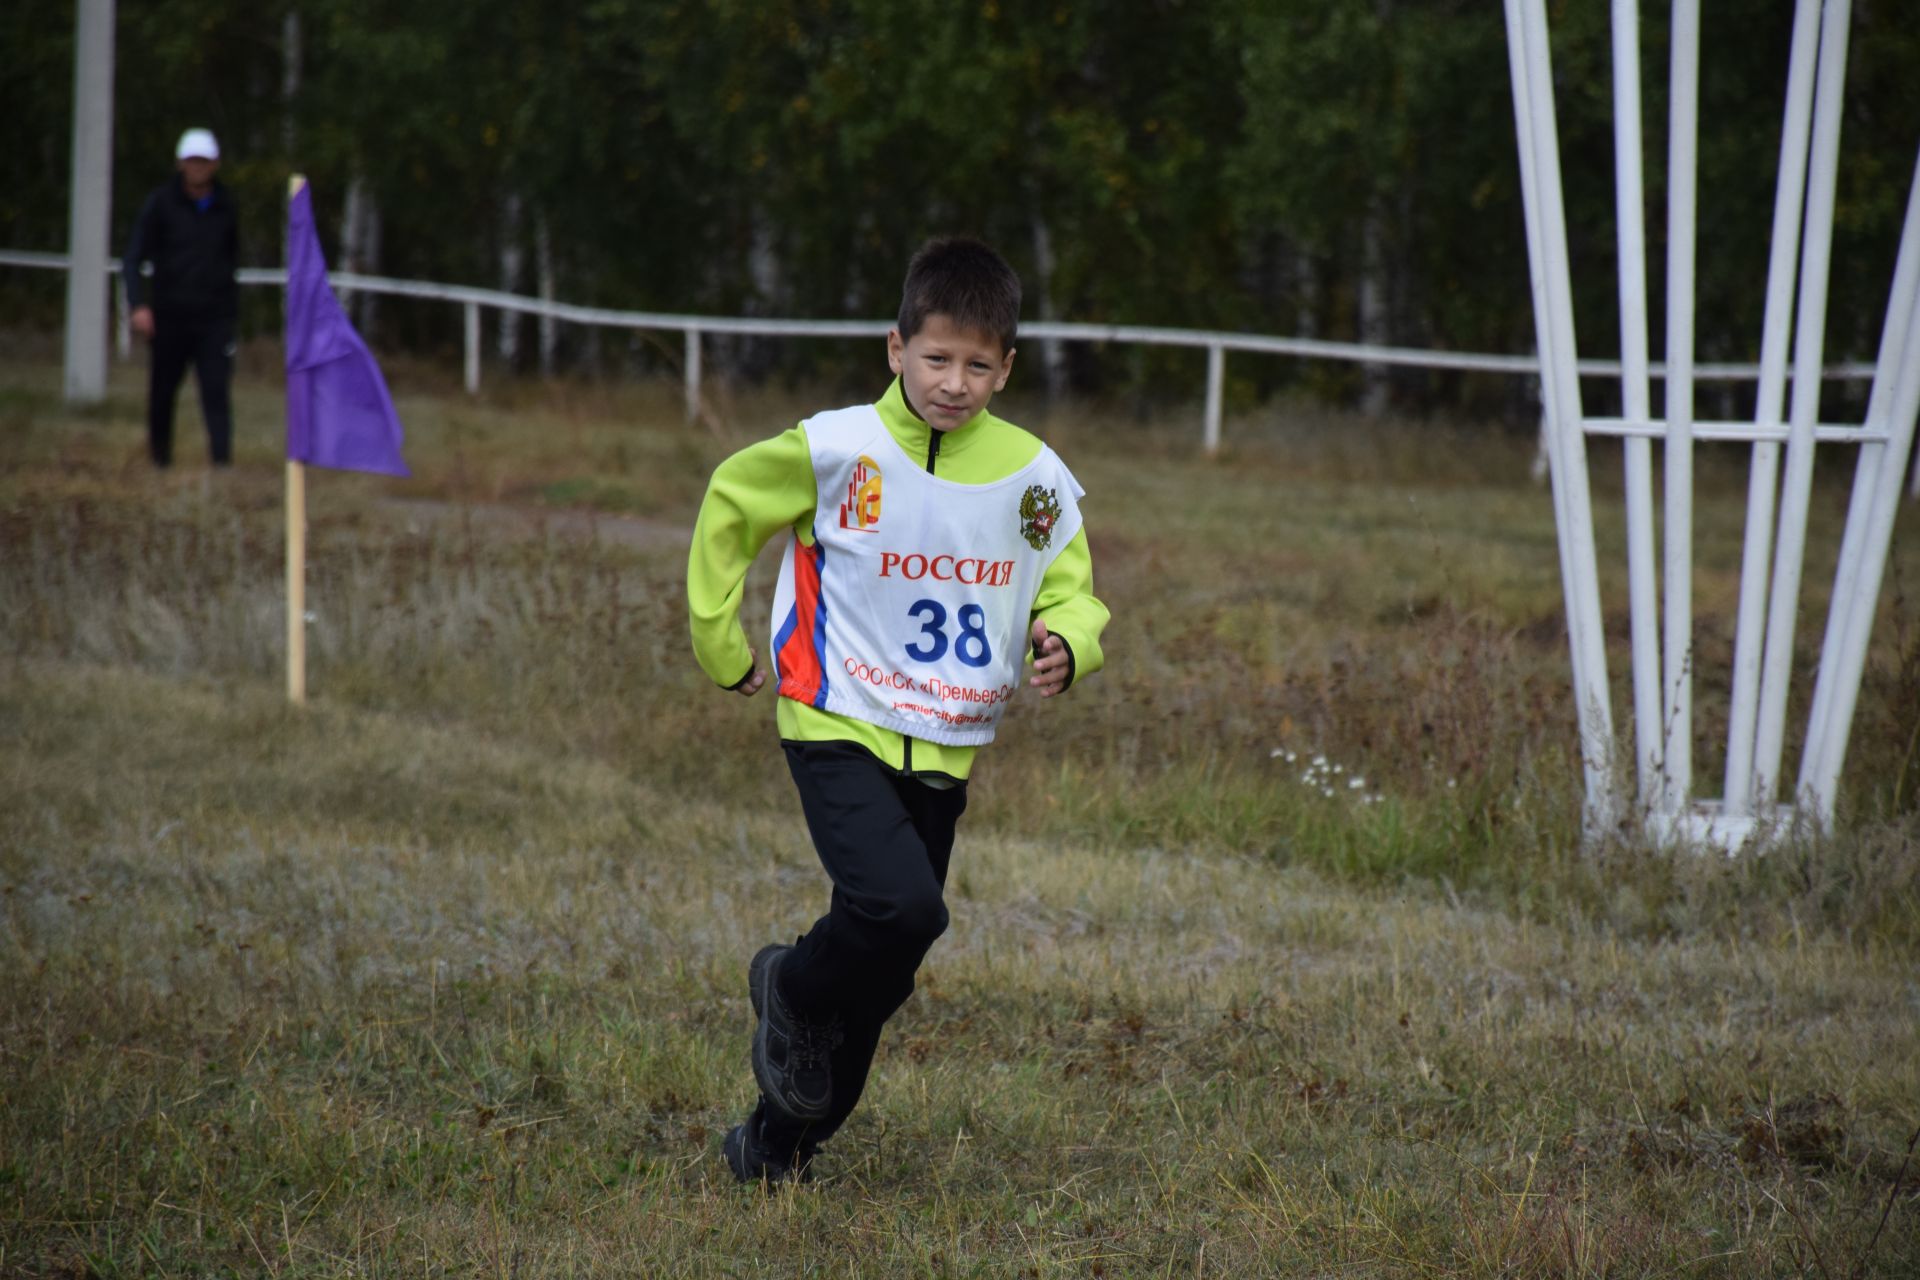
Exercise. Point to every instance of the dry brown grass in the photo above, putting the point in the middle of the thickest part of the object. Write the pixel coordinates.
(444, 974)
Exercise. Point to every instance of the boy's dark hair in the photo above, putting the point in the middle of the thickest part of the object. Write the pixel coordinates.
(962, 279)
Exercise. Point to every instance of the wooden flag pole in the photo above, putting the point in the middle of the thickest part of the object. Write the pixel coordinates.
(296, 557)
(296, 582)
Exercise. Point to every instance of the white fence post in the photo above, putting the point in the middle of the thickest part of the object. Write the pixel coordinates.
(1216, 378)
(693, 373)
(473, 348)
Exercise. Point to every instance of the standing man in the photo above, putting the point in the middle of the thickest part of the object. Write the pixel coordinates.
(190, 231)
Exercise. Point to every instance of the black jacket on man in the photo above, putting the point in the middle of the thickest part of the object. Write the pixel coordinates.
(196, 307)
(194, 252)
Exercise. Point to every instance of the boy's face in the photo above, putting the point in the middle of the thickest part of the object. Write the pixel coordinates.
(947, 372)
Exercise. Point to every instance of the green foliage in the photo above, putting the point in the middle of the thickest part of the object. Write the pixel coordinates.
(1209, 163)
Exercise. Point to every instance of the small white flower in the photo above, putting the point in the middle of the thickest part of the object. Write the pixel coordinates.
(1291, 757)
(1275, 754)
(1452, 783)
(1339, 769)
(1319, 762)
(1356, 782)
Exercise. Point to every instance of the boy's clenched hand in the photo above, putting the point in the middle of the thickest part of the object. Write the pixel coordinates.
(755, 677)
(1052, 664)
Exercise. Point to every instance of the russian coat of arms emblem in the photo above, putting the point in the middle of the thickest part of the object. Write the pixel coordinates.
(1039, 511)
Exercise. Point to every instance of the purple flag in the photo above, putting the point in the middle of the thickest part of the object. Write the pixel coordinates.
(338, 411)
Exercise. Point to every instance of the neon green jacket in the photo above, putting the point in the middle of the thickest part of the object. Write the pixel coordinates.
(769, 487)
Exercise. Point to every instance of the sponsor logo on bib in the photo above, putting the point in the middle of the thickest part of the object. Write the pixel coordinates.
(1039, 509)
(861, 511)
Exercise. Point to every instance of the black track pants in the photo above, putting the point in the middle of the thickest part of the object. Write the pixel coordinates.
(885, 841)
(206, 344)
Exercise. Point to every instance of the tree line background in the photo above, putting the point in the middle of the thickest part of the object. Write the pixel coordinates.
(1326, 168)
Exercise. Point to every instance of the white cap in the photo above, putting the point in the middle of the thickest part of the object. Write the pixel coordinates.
(197, 142)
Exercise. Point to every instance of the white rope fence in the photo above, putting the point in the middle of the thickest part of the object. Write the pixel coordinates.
(1216, 343)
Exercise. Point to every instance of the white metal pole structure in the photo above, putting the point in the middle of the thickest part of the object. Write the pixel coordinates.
(1560, 386)
(1771, 560)
(90, 202)
(1894, 405)
(1676, 755)
(1770, 411)
(1809, 338)
(1636, 397)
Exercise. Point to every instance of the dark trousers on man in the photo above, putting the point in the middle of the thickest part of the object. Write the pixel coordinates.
(205, 342)
(885, 841)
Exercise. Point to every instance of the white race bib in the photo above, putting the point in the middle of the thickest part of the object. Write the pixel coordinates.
(911, 608)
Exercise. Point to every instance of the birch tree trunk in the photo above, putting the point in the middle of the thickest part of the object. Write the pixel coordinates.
(1375, 301)
(360, 250)
(766, 270)
(1053, 356)
(1306, 301)
(1375, 307)
(543, 271)
(512, 260)
(289, 78)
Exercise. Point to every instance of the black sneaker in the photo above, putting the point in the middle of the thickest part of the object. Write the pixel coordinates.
(791, 1056)
(753, 1159)
(757, 972)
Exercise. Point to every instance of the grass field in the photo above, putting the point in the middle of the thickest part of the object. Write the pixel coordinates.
(1274, 948)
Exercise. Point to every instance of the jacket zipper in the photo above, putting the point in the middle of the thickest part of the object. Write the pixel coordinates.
(933, 452)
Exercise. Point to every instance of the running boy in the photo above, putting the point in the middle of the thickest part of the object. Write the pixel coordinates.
(930, 544)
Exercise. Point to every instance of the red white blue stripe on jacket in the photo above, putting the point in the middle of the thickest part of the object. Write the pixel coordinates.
(803, 634)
